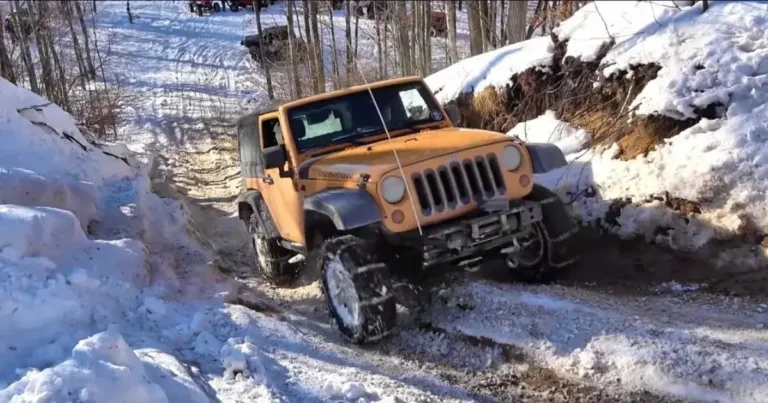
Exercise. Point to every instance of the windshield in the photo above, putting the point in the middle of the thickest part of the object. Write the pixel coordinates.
(354, 116)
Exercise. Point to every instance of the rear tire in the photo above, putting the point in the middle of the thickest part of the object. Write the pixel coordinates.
(216, 7)
(200, 11)
(234, 7)
(358, 289)
(272, 260)
(191, 7)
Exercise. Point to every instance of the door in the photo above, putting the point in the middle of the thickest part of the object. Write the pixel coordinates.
(284, 201)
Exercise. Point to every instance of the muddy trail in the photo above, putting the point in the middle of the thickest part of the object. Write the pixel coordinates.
(460, 338)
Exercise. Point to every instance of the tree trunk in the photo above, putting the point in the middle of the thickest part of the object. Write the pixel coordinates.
(128, 9)
(86, 41)
(492, 6)
(316, 47)
(453, 55)
(459, 5)
(357, 31)
(379, 50)
(402, 21)
(67, 13)
(545, 17)
(334, 56)
(475, 29)
(47, 78)
(348, 40)
(290, 6)
(26, 56)
(264, 62)
(536, 15)
(386, 52)
(484, 24)
(427, 59)
(6, 68)
(502, 26)
(516, 21)
(60, 81)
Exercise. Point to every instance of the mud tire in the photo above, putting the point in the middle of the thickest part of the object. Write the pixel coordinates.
(216, 7)
(272, 260)
(191, 7)
(200, 11)
(234, 7)
(350, 265)
(556, 231)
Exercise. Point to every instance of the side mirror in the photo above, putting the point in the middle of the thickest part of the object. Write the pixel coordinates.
(453, 113)
(274, 157)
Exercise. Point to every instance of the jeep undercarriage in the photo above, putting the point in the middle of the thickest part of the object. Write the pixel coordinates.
(322, 181)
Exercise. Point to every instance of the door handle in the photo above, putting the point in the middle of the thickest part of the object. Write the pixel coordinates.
(268, 180)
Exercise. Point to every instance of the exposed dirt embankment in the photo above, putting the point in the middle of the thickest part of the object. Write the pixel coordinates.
(580, 95)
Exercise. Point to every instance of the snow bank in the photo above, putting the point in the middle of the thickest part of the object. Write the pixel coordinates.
(77, 221)
(494, 68)
(547, 129)
(103, 368)
(598, 23)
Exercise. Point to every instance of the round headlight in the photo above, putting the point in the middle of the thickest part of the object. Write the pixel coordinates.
(393, 189)
(511, 158)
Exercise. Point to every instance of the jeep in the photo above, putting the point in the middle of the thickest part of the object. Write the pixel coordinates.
(274, 39)
(374, 183)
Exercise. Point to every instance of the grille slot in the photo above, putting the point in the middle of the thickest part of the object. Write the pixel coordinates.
(458, 184)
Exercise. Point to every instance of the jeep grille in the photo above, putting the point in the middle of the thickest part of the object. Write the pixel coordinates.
(458, 183)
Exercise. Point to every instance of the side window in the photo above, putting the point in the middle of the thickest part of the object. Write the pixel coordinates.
(272, 133)
(250, 152)
(415, 106)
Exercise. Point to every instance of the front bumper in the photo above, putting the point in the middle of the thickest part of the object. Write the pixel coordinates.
(498, 225)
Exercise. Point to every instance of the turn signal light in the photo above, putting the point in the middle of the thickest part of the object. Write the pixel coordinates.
(525, 180)
(398, 216)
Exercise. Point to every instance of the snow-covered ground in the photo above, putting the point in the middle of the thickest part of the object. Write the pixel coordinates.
(109, 291)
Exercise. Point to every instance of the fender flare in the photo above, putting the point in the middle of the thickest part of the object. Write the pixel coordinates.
(254, 200)
(545, 157)
(346, 208)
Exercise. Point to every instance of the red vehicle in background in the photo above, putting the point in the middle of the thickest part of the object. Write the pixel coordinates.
(200, 6)
(439, 25)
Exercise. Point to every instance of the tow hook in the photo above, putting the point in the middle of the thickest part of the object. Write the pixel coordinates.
(512, 252)
(471, 265)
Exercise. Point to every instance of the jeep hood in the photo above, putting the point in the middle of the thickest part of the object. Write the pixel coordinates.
(376, 159)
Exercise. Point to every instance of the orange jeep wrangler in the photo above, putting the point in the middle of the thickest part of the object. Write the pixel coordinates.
(374, 182)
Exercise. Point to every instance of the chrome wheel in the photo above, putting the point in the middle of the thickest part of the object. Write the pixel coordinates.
(342, 294)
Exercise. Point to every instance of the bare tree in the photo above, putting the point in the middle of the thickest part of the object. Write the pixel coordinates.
(537, 13)
(42, 50)
(502, 26)
(379, 50)
(453, 55)
(26, 56)
(60, 81)
(6, 67)
(348, 38)
(264, 62)
(475, 29)
(484, 24)
(427, 41)
(290, 7)
(404, 45)
(317, 50)
(128, 9)
(67, 13)
(516, 21)
(86, 41)
(334, 55)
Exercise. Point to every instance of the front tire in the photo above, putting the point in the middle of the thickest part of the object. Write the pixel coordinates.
(234, 7)
(216, 7)
(358, 289)
(549, 245)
